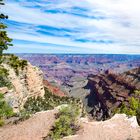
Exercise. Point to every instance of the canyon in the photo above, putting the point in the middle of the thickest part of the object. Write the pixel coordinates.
(102, 82)
(102, 86)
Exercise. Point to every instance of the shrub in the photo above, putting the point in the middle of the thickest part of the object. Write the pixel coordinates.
(1, 122)
(137, 92)
(4, 82)
(16, 63)
(5, 110)
(131, 109)
(49, 101)
(66, 123)
(24, 115)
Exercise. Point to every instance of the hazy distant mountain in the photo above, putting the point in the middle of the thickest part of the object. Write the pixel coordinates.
(61, 68)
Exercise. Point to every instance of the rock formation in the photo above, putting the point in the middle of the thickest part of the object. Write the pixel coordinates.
(119, 127)
(29, 82)
(108, 91)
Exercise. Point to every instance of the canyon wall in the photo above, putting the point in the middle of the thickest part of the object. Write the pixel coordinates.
(28, 83)
(108, 91)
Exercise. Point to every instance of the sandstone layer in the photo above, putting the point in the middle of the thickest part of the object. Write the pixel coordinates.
(28, 83)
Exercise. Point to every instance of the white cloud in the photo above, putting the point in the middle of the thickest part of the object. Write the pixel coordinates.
(124, 22)
(38, 17)
(120, 23)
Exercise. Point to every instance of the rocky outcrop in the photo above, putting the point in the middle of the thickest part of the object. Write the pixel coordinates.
(28, 83)
(108, 91)
(119, 127)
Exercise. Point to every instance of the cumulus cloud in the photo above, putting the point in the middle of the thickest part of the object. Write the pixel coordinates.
(98, 26)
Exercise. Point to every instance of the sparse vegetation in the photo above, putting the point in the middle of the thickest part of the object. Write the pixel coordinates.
(49, 101)
(137, 93)
(4, 82)
(23, 115)
(1, 122)
(16, 63)
(66, 123)
(133, 107)
(5, 110)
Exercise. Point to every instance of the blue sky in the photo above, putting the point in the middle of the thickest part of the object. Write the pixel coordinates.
(74, 26)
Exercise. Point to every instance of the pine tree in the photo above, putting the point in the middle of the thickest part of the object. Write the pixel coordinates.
(5, 41)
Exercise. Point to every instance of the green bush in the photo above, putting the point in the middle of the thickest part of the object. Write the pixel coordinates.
(16, 63)
(137, 92)
(132, 108)
(66, 123)
(1, 122)
(4, 82)
(23, 115)
(5, 110)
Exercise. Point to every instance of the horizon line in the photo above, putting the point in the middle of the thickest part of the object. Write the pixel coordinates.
(72, 53)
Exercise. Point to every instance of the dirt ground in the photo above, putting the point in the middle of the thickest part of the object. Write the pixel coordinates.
(34, 128)
(117, 128)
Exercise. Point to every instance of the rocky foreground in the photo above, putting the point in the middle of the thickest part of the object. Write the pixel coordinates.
(35, 128)
(117, 128)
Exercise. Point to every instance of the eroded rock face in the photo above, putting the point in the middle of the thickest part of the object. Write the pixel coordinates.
(108, 91)
(28, 83)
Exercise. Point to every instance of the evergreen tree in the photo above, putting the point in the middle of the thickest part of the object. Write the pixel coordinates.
(5, 41)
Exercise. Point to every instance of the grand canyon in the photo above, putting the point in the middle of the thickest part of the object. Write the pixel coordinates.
(103, 82)
(69, 70)
(101, 87)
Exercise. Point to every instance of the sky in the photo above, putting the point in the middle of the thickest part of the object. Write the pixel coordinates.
(74, 26)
